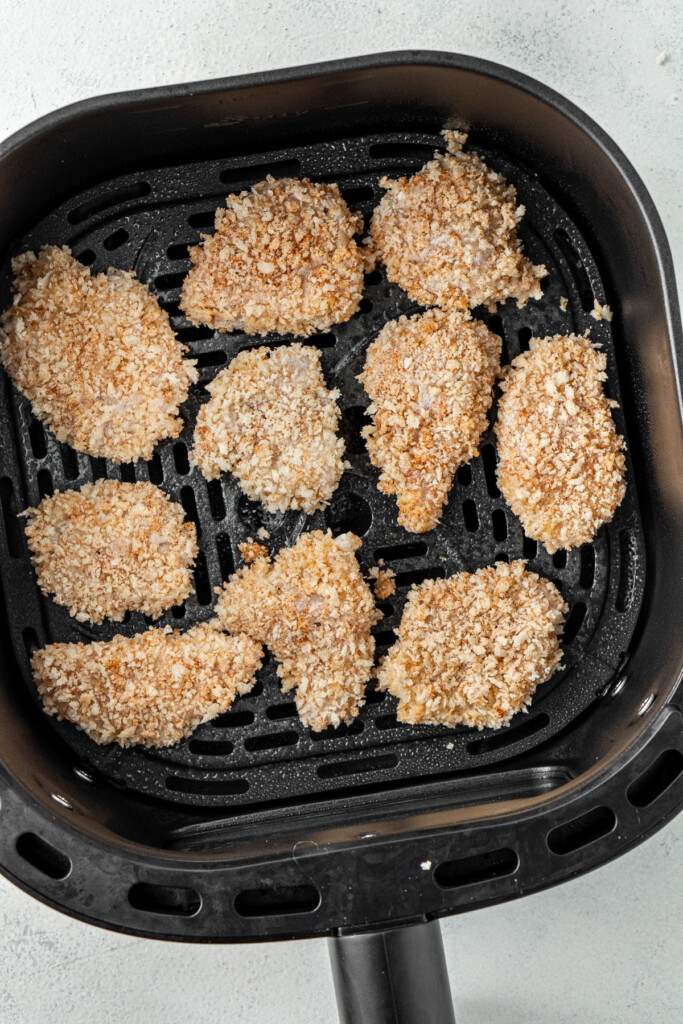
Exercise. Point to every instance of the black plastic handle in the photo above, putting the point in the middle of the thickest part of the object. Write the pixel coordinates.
(396, 976)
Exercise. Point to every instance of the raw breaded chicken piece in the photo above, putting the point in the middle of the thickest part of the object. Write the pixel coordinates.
(472, 649)
(111, 548)
(561, 463)
(313, 609)
(154, 688)
(448, 234)
(283, 259)
(430, 378)
(272, 423)
(95, 356)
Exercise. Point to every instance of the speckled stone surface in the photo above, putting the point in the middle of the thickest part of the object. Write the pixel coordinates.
(604, 948)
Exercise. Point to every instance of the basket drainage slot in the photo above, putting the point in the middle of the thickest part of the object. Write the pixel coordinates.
(504, 739)
(480, 867)
(43, 856)
(581, 831)
(174, 900)
(656, 779)
(283, 899)
(207, 787)
(363, 764)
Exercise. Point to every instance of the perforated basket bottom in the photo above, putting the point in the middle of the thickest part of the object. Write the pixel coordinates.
(259, 751)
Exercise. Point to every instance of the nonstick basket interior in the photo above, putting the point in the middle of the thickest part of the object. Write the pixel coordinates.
(258, 752)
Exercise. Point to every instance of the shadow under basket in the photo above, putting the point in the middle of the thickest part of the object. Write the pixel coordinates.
(254, 828)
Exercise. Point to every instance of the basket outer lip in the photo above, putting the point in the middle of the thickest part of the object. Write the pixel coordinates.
(584, 792)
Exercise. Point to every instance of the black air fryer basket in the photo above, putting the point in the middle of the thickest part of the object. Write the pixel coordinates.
(254, 828)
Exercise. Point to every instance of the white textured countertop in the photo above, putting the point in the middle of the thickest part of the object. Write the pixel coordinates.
(604, 949)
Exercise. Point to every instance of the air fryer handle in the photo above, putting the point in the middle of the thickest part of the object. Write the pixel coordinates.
(395, 976)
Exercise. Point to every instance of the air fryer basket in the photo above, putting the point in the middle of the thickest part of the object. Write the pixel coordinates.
(254, 828)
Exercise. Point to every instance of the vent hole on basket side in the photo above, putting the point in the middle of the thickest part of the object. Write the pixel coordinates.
(656, 779)
(400, 551)
(172, 900)
(278, 712)
(155, 469)
(202, 583)
(477, 868)
(257, 172)
(573, 623)
(205, 359)
(581, 831)
(128, 472)
(469, 513)
(116, 240)
(488, 458)
(464, 475)
(233, 719)
(587, 571)
(351, 424)
(272, 741)
(43, 856)
(168, 282)
(524, 336)
(207, 787)
(136, 190)
(214, 492)
(560, 559)
(182, 463)
(224, 552)
(31, 641)
(507, 737)
(348, 513)
(99, 469)
(353, 728)
(36, 435)
(500, 525)
(529, 547)
(276, 901)
(406, 579)
(577, 269)
(202, 219)
(627, 571)
(13, 531)
(45, 488)
(217, 748)
(402, 152)
(340, 769)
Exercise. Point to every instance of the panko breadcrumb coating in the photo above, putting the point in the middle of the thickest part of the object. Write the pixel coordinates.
(431, 380)
(272, 423)
(154, 688)
(313, 609)
(110, 548)
(283, 259)
(561, 462)
(448, 234)
(472, 649)
(384, 582)
(95, 356)
(250, 550)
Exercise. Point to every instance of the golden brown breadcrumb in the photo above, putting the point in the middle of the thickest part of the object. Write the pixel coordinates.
(110, 548)
(251, 550)
(313, 609)
(431, 380)
(561, 462)
(283, 259)
(153, 688)
(600, 312)
(384, 584)
(272, 422)
(472, 649)
(448, 234)
(95, 356)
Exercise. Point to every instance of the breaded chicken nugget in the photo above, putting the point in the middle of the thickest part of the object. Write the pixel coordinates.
(472, 649)
(561, 462)
(95, 356)
(154, 688)
(283, 259)
(313, 609)
(110, 548)
(431, 380)
(448, 234)
(272, 422)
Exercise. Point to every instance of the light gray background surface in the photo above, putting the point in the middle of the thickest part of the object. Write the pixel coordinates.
(604, 949)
